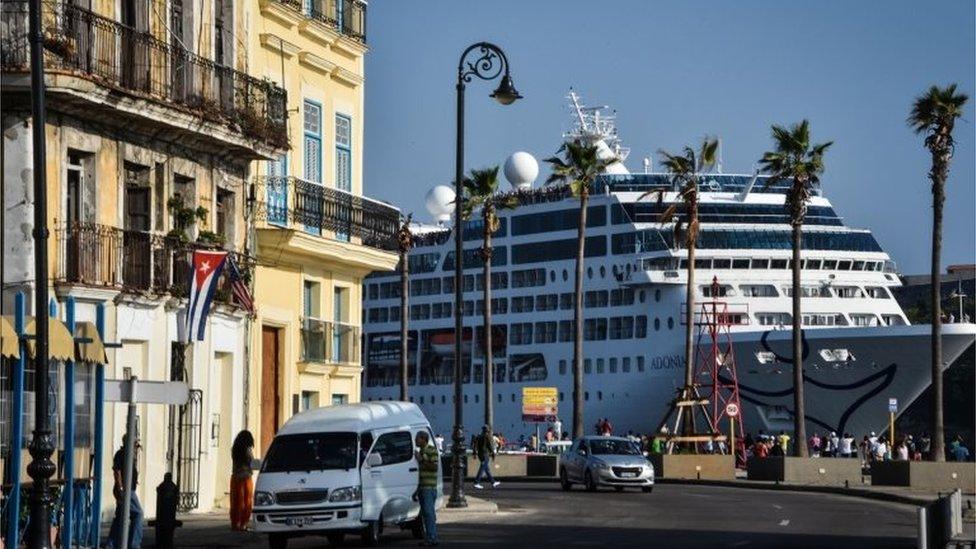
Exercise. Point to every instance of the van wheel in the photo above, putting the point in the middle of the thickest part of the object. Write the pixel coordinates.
(564, 480)
(417, 528)
(277, 541)
(372, 532)
(590, 483)
(336, 538)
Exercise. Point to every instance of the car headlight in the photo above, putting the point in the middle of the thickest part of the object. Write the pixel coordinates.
(348, 493)
(262, 499)
(601, 465)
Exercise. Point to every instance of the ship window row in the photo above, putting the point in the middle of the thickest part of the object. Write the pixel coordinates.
(557, 250)
(528, 278)
(784, 319)
(650, 212)
(474, 229)
(423, 262)
(425, 286)
(613, 365)
(559, 220)
(673, 263)
(652, 240)
(473, 258)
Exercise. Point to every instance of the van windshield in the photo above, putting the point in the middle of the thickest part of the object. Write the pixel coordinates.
(311, 452)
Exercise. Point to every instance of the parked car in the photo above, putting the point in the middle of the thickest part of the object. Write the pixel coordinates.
(595, 461)
(342, 469)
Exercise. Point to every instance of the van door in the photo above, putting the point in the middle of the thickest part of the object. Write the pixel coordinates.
(388, 486)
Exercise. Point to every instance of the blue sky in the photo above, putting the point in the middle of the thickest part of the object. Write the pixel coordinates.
(675, 71)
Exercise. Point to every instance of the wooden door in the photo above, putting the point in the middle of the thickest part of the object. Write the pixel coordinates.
(270, 379)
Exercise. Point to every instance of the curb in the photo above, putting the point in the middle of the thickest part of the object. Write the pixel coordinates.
(476, 505)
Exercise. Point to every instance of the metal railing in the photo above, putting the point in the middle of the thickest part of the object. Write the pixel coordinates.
(345, 16)
(329, 342)
(290, 201)
(79, 41)
(102, 256)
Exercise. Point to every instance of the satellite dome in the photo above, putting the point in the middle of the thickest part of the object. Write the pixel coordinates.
(440, 202)
(521, 169)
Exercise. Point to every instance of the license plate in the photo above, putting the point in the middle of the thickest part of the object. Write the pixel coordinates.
(298, 521)
(628, 475)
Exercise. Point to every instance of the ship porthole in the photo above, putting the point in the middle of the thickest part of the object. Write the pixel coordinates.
(641, 296)
(657, 295)
(657, 324)
(565, 275)
(670, 323)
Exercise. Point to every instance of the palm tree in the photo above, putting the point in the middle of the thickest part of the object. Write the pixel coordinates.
(934, 113)
(480, 190)
(794, 159)
(578, 169)
(685, 171)
(404, 243)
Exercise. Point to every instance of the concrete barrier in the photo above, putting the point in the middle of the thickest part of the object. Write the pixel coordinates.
(518, 466)
(929, 475)
(694, 466)
(806, 471)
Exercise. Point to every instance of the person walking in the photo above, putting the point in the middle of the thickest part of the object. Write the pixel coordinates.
(241, 481)
(784, 442)
(815, 444)
(118, 490)
(426, 494)
(484, 447)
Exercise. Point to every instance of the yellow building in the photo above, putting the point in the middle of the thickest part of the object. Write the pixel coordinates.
(316, 235)
(153, 126)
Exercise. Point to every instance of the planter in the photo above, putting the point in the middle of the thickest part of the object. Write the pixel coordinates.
(806, 471)
(925, 475)
(694, 466)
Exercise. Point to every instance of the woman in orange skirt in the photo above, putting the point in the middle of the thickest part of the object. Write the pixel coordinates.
(241, 481)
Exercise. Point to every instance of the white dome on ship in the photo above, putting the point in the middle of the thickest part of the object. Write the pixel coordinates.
(440, 202)
(521, 169)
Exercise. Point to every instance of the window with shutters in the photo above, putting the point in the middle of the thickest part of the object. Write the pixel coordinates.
(313, 141)
(343, 139)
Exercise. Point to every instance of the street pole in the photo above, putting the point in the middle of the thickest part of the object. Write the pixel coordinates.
(130, 445)
(42, 446)
(732, 438)
(486, 67)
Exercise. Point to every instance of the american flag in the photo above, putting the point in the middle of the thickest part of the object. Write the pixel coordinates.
(239, 287)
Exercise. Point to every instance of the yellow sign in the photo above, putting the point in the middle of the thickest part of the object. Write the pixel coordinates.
(539, 403)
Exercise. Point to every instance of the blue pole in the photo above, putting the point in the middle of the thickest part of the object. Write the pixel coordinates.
(96, 508)
(17, 429)
(67, 521)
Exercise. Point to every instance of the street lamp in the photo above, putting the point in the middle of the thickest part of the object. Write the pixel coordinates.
(489, 64)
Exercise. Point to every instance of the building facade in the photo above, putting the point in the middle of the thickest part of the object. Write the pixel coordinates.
(153, 123)
(316, 236)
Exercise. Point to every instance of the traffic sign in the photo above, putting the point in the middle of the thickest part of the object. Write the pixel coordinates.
(893, 405)
(539, 403)
(732, 409)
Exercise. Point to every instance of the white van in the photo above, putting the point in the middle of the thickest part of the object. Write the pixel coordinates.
(342, 469)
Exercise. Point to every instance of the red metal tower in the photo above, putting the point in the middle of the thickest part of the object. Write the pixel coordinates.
(715, 373)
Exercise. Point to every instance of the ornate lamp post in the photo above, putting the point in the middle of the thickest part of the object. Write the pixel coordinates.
(489, 64)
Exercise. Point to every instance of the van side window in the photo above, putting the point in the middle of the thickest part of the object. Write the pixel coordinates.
(395, 447)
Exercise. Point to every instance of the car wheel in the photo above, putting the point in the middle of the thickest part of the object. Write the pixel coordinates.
(647, 489)
(277, 541)
(564, 481)
(590, 483)
(372, 532)
(618, 488)
(336, 538)
(417, 528)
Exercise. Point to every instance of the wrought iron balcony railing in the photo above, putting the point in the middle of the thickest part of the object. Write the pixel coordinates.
(81, 42)
(294, 202)
(329, 342)
(345, 16)
(102, 256)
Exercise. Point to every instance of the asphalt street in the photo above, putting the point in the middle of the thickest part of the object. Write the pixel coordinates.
(541, 515)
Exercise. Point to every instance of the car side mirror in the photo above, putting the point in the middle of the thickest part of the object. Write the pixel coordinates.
(374, 460)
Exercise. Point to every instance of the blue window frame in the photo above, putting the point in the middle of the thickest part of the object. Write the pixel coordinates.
(312, 126)
(277, 190)
(343, 160)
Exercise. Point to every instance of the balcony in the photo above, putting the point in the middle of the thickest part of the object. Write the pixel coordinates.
(105, 257)
(243, 111)
(345, 16)
(294, 203)
(329, 342)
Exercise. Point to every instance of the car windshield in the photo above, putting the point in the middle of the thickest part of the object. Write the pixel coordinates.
(613, 447)
(311, 452)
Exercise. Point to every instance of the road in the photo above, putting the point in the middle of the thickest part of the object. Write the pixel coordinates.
(541, 515)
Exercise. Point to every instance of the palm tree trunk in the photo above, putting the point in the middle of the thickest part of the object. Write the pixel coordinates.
(404, 347)
(938, 176)
(688, 422)
(799, 407)
(488, 370)
(578, 318)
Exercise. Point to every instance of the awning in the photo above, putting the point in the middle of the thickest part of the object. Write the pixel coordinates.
(89, 351)
(9, 346)
(61, 345)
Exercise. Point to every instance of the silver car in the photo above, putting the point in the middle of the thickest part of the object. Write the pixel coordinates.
(596, 461)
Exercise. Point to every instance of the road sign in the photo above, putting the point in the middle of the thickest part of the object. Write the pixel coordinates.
(732, 409)
(149, 392)
(893, 405)
(539, 403)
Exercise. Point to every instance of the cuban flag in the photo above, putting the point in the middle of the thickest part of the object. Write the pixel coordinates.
(204, 273)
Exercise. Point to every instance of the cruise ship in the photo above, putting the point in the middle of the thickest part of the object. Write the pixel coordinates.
(859, 348)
